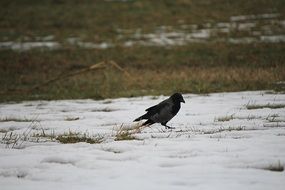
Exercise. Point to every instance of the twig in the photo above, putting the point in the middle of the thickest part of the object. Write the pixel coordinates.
(113, 63)
(100, 65)
(60, 77)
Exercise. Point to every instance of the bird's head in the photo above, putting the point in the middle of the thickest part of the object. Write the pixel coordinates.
(177, 97)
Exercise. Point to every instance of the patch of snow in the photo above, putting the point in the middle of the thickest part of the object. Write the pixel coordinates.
(88, 45)
(223, 25)
(23, 46)
(202, 34)
(242, 152)
(246, 26)
(251, 17)
(273, 39)
(245, 40)
(260, 28)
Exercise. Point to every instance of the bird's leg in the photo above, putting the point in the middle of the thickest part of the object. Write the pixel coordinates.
(166, 126)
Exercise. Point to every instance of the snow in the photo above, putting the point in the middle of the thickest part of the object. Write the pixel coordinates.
(88, 45)
(273, 39)
(218, 144)
(23, 46)
(249, 17)
(260, 28)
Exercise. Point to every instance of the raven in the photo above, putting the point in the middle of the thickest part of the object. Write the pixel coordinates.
(163, 112)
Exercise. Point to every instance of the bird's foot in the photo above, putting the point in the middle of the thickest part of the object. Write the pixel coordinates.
(167, 127)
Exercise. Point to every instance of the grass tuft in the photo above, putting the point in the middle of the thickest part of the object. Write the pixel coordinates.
(71, 137)
(8, 119)
(71, 118)
(127, 134)
(225, 118)
(222, 129)
(15, 140)
(273, 118)
(124, 136)
(275, 167)
(261, 106)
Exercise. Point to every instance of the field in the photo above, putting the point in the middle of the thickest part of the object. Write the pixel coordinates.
(166, 46)
(220, 141)
(74, 74)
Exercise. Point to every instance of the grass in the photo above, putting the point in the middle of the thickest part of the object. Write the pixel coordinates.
(71, 137)
(231, 117)
(272, 118)
(225, 118)
(76, 139)
(222, 129)
(103, 109)
(261, 106)
(95, 19)
(16, 140)
(42, 133)
(69, 118)
(34, 133)
(123, 134)
(193, 68)
(8, 119)
(275, 167)
(151, 73)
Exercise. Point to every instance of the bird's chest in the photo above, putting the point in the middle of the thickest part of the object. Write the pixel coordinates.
(175, 109)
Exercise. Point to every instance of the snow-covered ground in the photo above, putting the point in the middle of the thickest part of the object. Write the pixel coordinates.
(218, 143)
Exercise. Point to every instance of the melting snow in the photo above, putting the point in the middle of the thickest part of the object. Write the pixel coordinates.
(28, 45)
(249, 17)
(262, 28)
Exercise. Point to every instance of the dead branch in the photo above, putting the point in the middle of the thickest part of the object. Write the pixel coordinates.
(96, 66)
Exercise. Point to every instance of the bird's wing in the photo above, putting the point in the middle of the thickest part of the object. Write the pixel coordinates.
(162, 112)
(157, 108)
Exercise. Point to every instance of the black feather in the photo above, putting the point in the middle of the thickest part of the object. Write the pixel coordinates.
(162, 112)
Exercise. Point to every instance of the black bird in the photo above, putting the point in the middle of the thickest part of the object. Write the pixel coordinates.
(163, 112)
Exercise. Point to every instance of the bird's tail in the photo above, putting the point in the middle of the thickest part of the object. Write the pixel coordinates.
(141, 117)
(148, 122)
(138, 119)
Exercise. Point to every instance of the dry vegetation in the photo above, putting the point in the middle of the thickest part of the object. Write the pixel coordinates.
(261, 106)
(193, 68)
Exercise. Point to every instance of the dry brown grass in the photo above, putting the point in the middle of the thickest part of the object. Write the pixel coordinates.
(109, 84)
(196, 68)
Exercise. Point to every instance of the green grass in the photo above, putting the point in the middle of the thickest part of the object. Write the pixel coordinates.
(71, 137)
(76, 139)
(153, 71)
(97, 19)
(193, 68)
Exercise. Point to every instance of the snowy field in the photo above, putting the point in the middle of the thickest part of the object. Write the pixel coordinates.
(261, 28)
(220, 141)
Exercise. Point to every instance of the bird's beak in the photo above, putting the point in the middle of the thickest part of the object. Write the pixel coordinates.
(183, 100)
